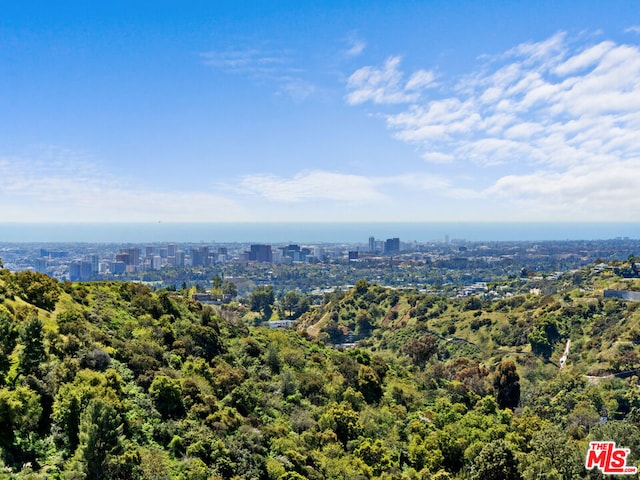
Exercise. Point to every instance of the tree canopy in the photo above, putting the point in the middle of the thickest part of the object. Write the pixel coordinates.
(118, 381)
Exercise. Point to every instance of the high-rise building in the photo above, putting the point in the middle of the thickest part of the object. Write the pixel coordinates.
(134, 256)
(372, 244)
(117, 267)
(79, 271)
(41, 265)
(260, 253)
(200, 257)
(124, 258)
(392, 245)
(222, 255)
(318, 253)
(172, 249)
(156, 262)
(130, 257)
(74, 271)
(295, 253)
(53, 253)
(95, 263)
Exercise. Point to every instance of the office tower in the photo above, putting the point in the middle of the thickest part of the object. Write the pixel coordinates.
(79, 271)
(392, 245)
(260, 253)
(200, 257)
(95, 263)
(134, 256)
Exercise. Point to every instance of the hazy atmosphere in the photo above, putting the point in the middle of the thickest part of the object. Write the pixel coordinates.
(326, 111)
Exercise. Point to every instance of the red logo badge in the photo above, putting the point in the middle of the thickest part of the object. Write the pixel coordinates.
(609, 459)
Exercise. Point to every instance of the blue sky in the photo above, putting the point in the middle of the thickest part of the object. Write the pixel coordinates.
(319, 111)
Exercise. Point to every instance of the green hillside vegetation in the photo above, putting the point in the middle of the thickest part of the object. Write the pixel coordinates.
(116, 381)
(524, 325)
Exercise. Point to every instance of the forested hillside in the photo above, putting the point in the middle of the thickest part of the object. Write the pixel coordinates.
(116, 381)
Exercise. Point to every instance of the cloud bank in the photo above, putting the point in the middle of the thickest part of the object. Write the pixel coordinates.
(554, 124)
(61, 185)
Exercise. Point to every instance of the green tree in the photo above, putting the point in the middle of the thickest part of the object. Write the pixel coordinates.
(364, 322)
(33, 351)
(421, 350)
(72, 399)
(100, 436)
(472, 303)
(303, 305)
(369, 384)
(8, 338)
(202, 341)
(331, 332)
(361, 286)
(540, 344)
(375, 454)
(496, 461)
(553, 456)
(293, 304)
(544, 336)
(37, 288)
(20, 412)
(506, 384)
(288, 303)
(246, 397)
(167, 396)
(216, 285)
(261, 300)
(343, 420)
(230, 288)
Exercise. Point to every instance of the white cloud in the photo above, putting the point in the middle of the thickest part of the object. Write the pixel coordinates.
(437, 157)
(560, 117)
(579, 193)
(386, 84)
(71, 189)
(249, 61)
(585, 59)
(355, 47)
(416, 181)
(312, 185)
(63, 186)
(346, 189)
(420, 80)
(523, 131)
(549, 50)
(297, 89)
(275, 67)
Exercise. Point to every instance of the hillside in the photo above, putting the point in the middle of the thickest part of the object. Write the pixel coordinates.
(113, 380)
(515, 320)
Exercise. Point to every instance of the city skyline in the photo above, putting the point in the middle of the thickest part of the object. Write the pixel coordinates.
(334, 112)
(179, 262)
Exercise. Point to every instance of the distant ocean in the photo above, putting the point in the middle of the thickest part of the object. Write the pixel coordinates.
(311, 232)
